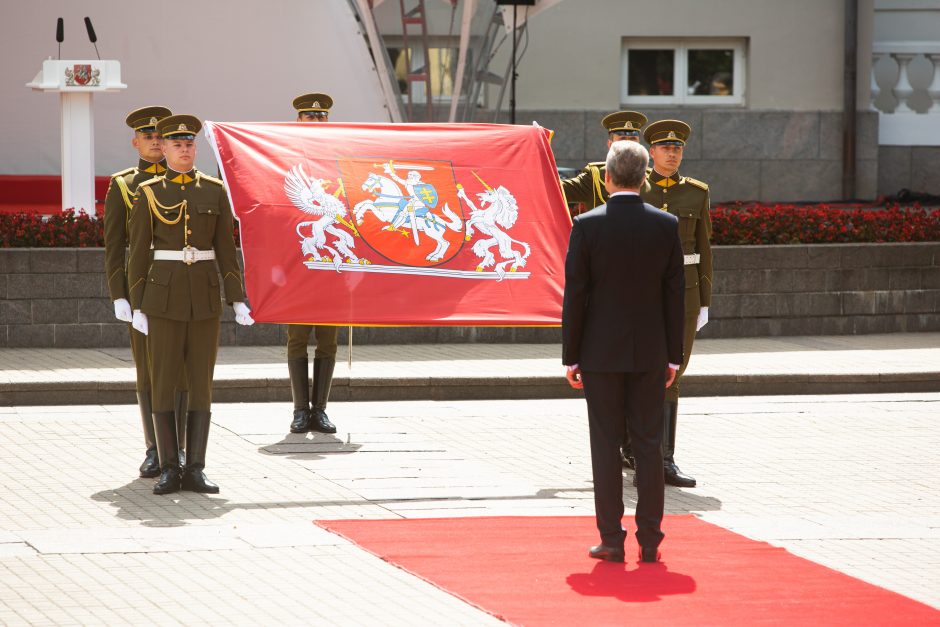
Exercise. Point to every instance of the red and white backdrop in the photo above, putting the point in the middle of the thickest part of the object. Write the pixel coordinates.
(397, 225)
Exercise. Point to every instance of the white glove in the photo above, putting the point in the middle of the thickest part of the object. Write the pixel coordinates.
(122, 310)
(139, 321)
(243, 314)
(702, 319)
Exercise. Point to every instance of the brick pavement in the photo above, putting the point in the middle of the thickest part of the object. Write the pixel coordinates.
(843, 480)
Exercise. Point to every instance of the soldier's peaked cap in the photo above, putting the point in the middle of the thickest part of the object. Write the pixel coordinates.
(145, 119)
(627, 122)
(313, 102)
(667, 132)
(179, 127)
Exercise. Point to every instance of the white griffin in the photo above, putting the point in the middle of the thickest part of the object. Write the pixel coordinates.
(309, 196)
(499, 211)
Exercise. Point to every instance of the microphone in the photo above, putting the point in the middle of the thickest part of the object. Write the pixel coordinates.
(60, 34)
(91, 35)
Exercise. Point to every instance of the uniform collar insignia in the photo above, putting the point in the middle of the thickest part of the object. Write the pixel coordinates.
(152, 168)
(180, 178)
(664, 181)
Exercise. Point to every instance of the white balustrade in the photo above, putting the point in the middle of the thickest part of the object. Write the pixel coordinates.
(902, 125)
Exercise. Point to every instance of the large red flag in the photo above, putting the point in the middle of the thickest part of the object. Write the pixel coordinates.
(417, 224)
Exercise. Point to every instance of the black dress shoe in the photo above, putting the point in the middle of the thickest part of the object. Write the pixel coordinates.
(606, 553)
(195, 480)
(169, 481)
(320, 422)
(649, 554)
(301, 423)
(674, 476)
(151, 466)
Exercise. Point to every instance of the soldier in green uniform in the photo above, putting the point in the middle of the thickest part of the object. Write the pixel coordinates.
(311, 108)
(587, 187)
(179, 224)
(117, 204)
(687, 199)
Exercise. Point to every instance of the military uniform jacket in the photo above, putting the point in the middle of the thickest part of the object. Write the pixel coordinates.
(587, 186)
(117, 207)
(687, 199)
(169, 213)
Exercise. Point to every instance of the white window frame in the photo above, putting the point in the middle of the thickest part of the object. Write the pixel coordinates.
(680, 48)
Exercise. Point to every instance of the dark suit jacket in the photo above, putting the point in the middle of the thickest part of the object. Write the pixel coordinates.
(624, 289)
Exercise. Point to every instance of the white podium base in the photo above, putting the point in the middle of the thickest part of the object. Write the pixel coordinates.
(78, 153)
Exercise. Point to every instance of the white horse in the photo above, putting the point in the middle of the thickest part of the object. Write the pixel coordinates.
(499, 211)
(308, 195)
(389, 202)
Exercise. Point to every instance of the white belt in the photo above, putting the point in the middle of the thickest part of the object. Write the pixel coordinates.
(188, 255)
(690, 260)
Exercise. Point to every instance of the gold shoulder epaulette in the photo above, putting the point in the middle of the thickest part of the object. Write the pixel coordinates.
(211, 179)
(598, 164)
(697, 183)
(124, 172)
(150, 181)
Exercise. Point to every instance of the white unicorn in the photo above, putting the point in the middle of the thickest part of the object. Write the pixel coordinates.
(389, 203)
(308, 195)
(499, 211)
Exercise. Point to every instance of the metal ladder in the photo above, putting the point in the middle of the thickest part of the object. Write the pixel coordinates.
(416, 17)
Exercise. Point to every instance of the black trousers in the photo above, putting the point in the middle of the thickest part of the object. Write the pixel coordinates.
(617, 401)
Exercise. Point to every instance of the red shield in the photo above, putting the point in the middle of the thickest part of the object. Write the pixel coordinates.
(411, 215)
(82, 74)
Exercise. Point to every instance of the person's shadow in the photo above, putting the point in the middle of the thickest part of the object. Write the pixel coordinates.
(646, 583)
(309, 446)
(135, 501)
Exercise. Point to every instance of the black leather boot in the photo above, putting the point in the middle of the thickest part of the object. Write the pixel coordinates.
(671, 472)
(182, 404)
(151, 466)
(300, 393)
(197, 439)
(626, 453)
(164, 423)
(322, 380)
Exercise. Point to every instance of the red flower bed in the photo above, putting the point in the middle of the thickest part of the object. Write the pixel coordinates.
(736, 223)
(66, 229)
(59, 230)
(754, 223)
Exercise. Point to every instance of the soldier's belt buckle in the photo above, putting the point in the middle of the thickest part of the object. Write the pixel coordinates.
(189, 255)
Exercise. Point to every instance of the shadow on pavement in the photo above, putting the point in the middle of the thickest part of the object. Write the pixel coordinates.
(309, 446)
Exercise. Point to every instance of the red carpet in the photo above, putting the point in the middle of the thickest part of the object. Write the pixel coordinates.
(535, 571)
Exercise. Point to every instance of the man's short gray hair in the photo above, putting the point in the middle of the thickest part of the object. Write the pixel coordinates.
(626, 164)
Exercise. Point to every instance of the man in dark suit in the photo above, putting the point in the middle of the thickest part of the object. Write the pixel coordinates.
(622, 342)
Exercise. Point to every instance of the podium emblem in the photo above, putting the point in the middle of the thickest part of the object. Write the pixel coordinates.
(81, 75)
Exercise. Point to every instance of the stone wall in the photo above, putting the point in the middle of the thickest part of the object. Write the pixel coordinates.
(58, 298)
(785, 156)
(825, 289)
(914, 168)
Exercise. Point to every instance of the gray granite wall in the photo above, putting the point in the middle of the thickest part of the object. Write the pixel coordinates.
(58, 298)
(915, 168)
(771, 156)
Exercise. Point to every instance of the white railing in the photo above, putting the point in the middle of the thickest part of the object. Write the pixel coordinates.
(910, 112)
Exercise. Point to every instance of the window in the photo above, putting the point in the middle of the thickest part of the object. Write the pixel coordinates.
(443, 71)
(682, 71)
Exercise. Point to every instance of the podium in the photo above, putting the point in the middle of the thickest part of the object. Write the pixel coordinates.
(77, 82)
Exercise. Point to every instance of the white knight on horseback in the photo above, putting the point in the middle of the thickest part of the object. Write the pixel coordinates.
(412, 209)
